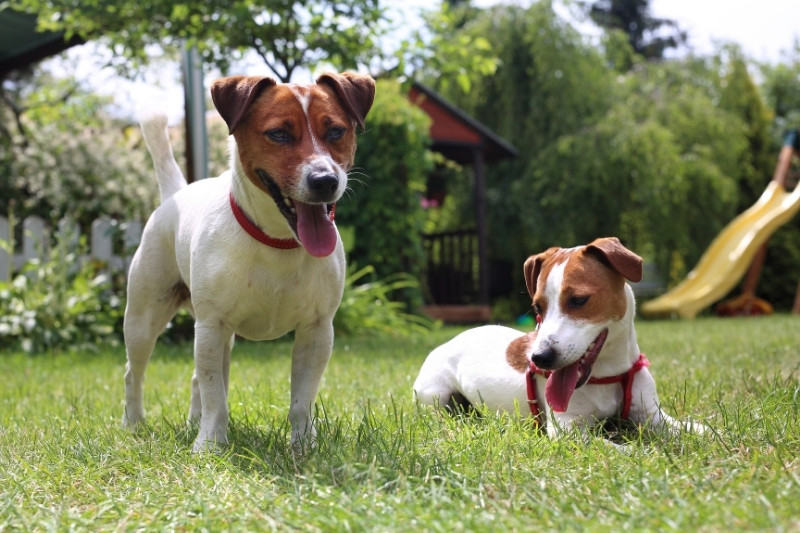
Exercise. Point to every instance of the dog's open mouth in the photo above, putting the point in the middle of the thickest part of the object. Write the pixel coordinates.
(312, 223)
(563, 382)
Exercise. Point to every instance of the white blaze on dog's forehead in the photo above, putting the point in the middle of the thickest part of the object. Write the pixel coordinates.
(558, 329)
(557, 322)
(303, 95)
(553, 317)
(552, 290)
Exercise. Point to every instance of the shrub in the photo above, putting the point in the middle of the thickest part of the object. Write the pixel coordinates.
(71, 158)
(59, 302)
(367, 305)
(383, 206)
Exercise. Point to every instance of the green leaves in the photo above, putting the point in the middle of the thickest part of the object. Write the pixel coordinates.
(58, 303)
(442, 49)
(662, 155)
(386, 185)
(369, 306)
(285, 34)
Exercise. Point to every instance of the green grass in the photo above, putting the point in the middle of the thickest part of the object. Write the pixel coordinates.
(384, 464)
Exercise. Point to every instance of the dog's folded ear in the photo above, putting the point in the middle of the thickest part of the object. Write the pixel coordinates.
(533, 267)
(618, 257)
(355, 91)
(234, 94)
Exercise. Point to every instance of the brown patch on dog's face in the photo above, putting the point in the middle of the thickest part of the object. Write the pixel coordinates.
(537, 269)
(592, 288)
(592, 291)
(279, 128)
(289, 125)
(518, 352)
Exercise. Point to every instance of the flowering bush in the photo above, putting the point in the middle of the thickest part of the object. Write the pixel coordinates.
(59, 302)
(67, 155)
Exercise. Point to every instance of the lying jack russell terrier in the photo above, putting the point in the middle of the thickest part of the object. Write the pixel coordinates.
(581, 365)
(254, 252)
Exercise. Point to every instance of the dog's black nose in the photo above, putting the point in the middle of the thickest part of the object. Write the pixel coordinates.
(323, 185)
(544, 359)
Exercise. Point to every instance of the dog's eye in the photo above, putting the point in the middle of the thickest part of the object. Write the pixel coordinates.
(577, 301)
(279, 135)
(335, 133)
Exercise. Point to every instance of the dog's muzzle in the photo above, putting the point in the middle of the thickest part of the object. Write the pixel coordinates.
(312, 222)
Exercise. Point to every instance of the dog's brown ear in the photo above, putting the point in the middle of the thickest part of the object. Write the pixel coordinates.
(355, 91)
(234, 94)
(532, 269)
(620, 258)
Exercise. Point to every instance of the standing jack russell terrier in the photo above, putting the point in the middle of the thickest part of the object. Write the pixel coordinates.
(582, 360)
(254, 252)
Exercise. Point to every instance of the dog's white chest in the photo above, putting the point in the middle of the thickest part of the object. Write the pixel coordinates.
(269, 300)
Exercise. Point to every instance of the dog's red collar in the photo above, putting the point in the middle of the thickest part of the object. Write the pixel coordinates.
(255, 232)
(625, 379)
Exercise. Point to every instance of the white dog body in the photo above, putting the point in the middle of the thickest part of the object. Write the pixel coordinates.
(587, 360)
(253, 252)
(473, 364)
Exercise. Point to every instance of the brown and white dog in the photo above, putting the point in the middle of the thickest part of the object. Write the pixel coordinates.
(254, 252)
(583, 359)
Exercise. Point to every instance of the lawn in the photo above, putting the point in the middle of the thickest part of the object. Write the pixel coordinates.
(385, 464)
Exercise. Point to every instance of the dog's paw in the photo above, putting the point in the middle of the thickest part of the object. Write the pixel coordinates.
(695, 427)
(211, 439)
(132, 418)
(304, 444)
(626, 449)
(209, 446)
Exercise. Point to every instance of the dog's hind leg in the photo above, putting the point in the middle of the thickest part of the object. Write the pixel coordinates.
(434, 388)
(152, 301)
(459, 404)
(141, 329)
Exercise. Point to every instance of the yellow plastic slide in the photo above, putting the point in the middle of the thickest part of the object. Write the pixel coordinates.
(728, 257)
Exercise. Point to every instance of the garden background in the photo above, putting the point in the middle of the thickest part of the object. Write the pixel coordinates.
(622, 132)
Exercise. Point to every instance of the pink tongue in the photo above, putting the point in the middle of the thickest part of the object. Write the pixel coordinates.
(560, 386)
(315, 229)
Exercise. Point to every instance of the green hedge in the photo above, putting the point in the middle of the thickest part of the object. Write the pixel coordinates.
(383, 204)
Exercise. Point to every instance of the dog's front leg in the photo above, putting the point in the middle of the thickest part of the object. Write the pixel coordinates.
(196, 406)
(645, 407)
(312, 349)
(577, 426)
(559, 424)
(212, 346)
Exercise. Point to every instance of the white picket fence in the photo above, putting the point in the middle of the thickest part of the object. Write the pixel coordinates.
(106, 237)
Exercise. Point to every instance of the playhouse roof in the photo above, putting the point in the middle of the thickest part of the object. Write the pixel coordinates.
(455, 134)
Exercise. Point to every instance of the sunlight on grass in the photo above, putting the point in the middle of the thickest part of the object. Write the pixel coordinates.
(384, 463)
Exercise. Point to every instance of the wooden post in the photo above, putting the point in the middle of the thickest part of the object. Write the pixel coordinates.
(796, 306)
(195, 121)
(483, 234)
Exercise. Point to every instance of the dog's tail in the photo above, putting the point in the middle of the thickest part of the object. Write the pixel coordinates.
(168, 173)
